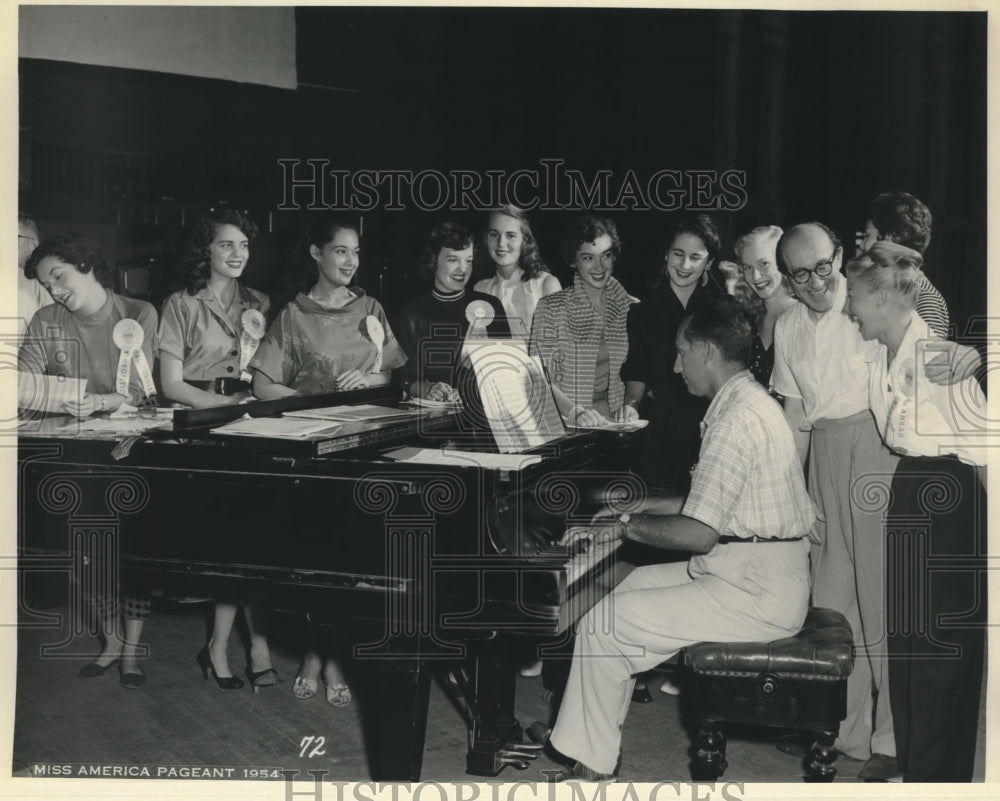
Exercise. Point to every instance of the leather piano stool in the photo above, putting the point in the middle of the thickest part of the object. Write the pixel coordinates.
(797, 683)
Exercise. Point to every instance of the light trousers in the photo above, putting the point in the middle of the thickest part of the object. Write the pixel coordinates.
(660, 609)
(850, 472)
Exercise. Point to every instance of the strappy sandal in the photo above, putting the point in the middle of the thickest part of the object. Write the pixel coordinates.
(338, 695)
(303, 688)
(263, 678)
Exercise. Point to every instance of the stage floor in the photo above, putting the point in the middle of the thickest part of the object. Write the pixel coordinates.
(180, 721)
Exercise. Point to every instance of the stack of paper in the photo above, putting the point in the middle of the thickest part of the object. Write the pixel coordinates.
(494, 461)
(283, 427)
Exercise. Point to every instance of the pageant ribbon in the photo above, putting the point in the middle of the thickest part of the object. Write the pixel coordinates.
(253, 332)
(376, 333)
(128, 337)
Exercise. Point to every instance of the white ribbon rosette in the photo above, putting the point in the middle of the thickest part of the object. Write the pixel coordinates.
(253, 332)
(128, 337)
(376, 333)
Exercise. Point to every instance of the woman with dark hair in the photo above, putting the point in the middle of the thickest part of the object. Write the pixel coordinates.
(331, 336)
(208, 332)
(580, 332)
(440, 319)
(669, 446)
(937, 507)
(771, 294)
(116, 338)
(210, 329)
(521, 278)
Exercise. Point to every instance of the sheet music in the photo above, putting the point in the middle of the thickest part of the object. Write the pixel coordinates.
(517, 399)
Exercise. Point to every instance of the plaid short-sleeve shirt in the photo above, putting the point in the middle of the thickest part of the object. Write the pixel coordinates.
(748, 481)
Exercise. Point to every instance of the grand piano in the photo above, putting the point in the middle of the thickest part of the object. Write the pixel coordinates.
(417, 565)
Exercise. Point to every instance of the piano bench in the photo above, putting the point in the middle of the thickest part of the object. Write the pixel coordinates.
(796, 683)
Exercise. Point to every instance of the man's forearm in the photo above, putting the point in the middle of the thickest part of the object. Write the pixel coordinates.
(672, 532)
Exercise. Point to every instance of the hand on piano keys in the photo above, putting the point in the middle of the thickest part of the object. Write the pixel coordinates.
(579, 539)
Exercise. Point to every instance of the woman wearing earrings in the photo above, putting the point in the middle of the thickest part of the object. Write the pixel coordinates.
(116, 341)
(521, 278)
(208, 332)
(670, 444)
(331, 337)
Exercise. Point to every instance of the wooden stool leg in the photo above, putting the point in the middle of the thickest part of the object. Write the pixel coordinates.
(820, 766)
(710, 752)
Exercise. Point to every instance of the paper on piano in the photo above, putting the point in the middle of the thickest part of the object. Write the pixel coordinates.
(631, 425)
(433, 404)
(350, 414)
(48, 393)
(517, 398)
(438, 456)
(119, 426)
(282, 427)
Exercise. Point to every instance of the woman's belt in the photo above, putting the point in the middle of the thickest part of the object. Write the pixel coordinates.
(728, 540)
(221, 386)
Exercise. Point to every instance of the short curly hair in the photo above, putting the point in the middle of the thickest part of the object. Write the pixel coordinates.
(891, 268)
(196, 262)
(530, 260)
(587, 228)
(75, 249)
(901, 218)
(446, 235)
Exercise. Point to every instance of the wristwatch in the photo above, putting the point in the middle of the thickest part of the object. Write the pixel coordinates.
(623, 525)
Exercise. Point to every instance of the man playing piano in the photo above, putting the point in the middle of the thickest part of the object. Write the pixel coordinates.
(745, 520)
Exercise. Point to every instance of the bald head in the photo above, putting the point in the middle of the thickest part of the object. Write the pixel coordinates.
(810, 254)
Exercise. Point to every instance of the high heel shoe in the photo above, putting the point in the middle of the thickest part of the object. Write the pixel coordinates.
(93, 670)
(204, 660)
(262, 678)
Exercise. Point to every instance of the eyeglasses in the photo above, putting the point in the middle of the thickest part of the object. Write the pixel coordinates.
(822, 269)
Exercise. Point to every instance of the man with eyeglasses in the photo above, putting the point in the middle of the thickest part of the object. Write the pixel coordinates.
(31, 296)
(820, 368)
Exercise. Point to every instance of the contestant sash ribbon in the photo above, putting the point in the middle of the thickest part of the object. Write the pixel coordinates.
(376, 333)
(480, 314)
(253, 332)
(128, 337)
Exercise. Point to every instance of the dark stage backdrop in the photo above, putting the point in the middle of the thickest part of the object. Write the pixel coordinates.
(819, 110)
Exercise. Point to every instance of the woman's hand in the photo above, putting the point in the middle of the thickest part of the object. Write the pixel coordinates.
(626, 413)
(81, 407)
(953, 364)
(441, 391)
(583, 417)
(352, 379)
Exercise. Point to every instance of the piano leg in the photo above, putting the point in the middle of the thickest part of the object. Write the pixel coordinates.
(496, 734)
(398, 720)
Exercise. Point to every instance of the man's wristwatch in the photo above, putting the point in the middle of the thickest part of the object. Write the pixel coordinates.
(102, 403)
(623, 526)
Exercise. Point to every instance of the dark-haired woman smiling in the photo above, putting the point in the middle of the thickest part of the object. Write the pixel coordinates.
(210, 329)
(443, 316)
(208, 332)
